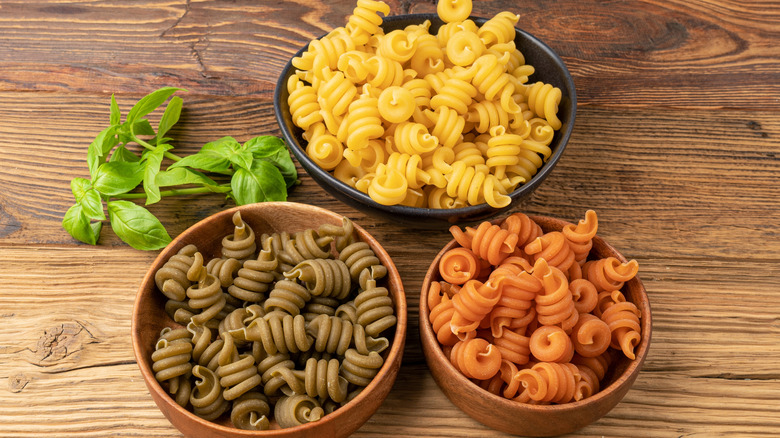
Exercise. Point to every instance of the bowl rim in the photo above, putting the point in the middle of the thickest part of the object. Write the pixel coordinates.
(632, 370)
(394, 353)
(310, 166)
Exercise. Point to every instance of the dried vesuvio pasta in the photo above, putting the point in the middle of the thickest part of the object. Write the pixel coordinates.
(179, 311)
(609, 274)
(476, 358)
(206, 295)
(279, 332)
(254, 278)
(320, 306)
(206, 399)
(374, 309)
(331, 334)
(204, 350)
(342, 235)
(274, 244)
(224, 269)
(458, 266)
(287, 296)
(322, 379)
(171, 279)
(362, 262)
(555, 304)
(323, 277)
(172, 354)
(441, 316)
(515, 309)
(360, 369)
(238, 320)
(237, 372)
(554, 249)
(473, 302)
(549, 343)
(514, 346)
(590, 336)
(489, 242)
(307, 245)
(580, 236)
(241, 244)
(365, 344)
(250, 411)
(296, 410)
(550, 382)
(347, 311)
(622, 317)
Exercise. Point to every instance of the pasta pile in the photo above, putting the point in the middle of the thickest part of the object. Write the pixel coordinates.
(277, 327)
(442, 120)
(527, 315)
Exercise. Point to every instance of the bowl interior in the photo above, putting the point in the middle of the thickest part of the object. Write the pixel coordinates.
(149, 318)
(526, 419)
(549, 67)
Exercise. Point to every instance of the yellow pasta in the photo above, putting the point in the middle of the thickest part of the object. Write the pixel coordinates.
(453, 10)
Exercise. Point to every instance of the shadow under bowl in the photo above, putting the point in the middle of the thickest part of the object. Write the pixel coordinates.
(149, 318)
(536, 420)
(549, 68)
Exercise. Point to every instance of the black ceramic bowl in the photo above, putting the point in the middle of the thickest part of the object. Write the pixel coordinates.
(548, 67)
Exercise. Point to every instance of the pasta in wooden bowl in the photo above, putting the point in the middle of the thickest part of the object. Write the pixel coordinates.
(532, 325)
(275, 319)
(427, 119)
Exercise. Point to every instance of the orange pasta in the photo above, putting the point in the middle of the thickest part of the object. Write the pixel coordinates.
(590, 336)
(549, 343)
(476, 358)
(459, 265)
(609, 274)
(527, 315)
(580, 236)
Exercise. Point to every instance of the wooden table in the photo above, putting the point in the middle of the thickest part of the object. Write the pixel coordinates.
(676, 146)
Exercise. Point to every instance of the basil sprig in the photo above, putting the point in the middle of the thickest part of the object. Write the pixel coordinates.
(260, 170)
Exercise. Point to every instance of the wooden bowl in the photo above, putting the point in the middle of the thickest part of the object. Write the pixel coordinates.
(535, 420)
(149, 318)
(549, 68)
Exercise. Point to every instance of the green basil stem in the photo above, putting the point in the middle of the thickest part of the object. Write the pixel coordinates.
(175, 192)
(167, 154)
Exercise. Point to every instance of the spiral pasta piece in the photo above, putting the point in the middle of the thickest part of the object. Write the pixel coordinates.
(331, 334)
(473, 302)
(543, 100)
(580, 236)
(554, 305)
(413, 139)
(491, 79)
(287, 296)
(241, 244)
(609, 273)
(503, 150)
(550, 343)
(514, 346)
(224, 269)
(322, 379)
(320, 306)
(447, 124)
(323, 277)
(206, 399)
(499, 29)
(306, 245)
(598, 364)
(458, 265)
(279, 332)
(297, 409)
(205, 295)
(365, 20)
(171, 279)
(172, 354)
(526, 229)
(362, 262)
(304, 108)
(254, 279)
(237, 373)
(358, 368)
(374, 309)
(441, 316)
(456, 94)
(584, 294)
(326, 151)
(515, 308)
(476, 358)
(463, 48)
(250, 411)
(590, 336)
(553, 248)
(489, 242)
(550, 382)
(451, 11)
(623, 321)
(487, 114)
(335, 93)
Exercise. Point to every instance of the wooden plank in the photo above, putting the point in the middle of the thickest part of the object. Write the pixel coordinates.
(641, 54)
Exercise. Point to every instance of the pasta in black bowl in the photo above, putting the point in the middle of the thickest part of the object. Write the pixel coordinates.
(427, 122)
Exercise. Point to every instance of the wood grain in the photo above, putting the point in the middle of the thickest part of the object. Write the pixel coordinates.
(676, 146)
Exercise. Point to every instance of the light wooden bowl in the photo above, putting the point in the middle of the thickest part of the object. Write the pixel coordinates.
(149, 318)
(535, 420)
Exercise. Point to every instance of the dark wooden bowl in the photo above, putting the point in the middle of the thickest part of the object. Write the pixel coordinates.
(149, 318)
(535, 420)
(549, 68)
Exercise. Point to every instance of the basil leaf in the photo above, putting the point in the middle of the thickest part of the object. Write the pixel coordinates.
(100, 147)
(151, 169)
(77, 224)
(136, 226)
(149, 103)
(223, 147)
(262, 183)
(241, 159)
(182, 175)
(118, 177)
(115, 115)
(205, 161)
(169, 117)
(274, 149)
(143, 127)
(88, 198)
(121, 153)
